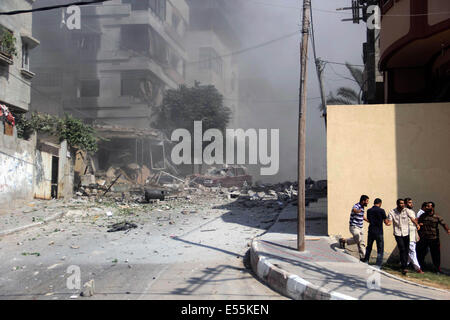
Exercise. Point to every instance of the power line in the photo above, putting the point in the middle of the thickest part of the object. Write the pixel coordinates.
(234, 53)
(349, 13)
(80, 3)
(268, 101)
(344, 64)
(340, 75)
(319, 67)
(294, 7)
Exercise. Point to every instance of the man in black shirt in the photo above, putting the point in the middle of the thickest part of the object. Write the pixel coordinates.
(376, 216)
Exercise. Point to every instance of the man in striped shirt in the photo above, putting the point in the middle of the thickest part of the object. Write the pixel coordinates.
(356, 227)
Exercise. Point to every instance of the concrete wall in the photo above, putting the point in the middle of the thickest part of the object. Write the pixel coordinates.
(17, 158)
(389, 152)
(26, 171)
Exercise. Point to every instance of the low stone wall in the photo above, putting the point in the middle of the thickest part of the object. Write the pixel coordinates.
(17, 161)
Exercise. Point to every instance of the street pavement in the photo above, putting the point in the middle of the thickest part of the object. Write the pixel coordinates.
(187, 249)
(324, 271)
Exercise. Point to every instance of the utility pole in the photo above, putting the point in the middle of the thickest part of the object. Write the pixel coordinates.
(320, 65)
(360, 13)
(302, 126)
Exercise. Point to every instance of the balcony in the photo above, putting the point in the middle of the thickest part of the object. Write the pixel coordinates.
(412, 33)
(5, 58)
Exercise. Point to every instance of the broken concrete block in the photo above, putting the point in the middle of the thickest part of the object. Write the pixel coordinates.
(87, 180)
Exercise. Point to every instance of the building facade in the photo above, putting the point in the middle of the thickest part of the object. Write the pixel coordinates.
(211, 40)
(116, 66)
(15, 47)
(415, 50)
(112, 69)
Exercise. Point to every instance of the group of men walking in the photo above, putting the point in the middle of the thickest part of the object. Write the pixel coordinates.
(414, 234)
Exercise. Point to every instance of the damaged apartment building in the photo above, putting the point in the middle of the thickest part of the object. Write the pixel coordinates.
(114, 68)
(111, 72)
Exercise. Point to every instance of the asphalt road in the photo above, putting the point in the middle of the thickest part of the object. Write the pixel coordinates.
(192, 249)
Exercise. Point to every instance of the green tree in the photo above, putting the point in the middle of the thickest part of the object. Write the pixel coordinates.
(182, 106)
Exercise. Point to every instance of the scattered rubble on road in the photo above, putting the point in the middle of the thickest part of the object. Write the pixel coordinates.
(122, 226)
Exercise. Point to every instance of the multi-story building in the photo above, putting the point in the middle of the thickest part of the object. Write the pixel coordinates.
(16, 41)
(211, 40)
(113, 69)
(118, 64)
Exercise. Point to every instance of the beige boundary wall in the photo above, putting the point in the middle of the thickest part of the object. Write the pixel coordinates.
(388, 151)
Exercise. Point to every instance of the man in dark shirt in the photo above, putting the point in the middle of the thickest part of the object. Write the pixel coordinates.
(376, 215)
(429, 236)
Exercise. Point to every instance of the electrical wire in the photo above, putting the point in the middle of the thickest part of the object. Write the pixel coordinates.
(349, 13)
(80, 3)
(234, 53)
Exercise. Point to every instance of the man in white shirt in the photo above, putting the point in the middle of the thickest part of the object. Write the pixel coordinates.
(413, 238)
(400, 221)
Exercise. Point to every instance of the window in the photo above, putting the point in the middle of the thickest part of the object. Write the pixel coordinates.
(159, 8)
(130, 87)
(90, 88)
(137, 4)
(25, 57)
(175, 21)
(209, 59)
(135, 37)
(87, 42)
(48, 79)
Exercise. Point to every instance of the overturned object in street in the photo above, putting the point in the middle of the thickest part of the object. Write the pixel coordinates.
(122, 226)
(154, 194)
(231, 176)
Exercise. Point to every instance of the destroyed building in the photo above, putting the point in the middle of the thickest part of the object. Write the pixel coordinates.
(112, 71)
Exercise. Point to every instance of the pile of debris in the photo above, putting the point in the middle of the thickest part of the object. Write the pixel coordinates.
(270, 196)
(126, 181)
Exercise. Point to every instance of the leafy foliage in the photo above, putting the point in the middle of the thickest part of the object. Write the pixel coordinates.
(8, 42)
(346, 95)
(182, 106)
(68, 128)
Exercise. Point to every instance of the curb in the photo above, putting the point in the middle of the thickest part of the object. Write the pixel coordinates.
(286, 283)
(31, 225)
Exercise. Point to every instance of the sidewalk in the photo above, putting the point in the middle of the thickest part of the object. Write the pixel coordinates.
(31, 214)
(324, 271)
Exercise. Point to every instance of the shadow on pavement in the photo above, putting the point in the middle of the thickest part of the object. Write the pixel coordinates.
(342, 281)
